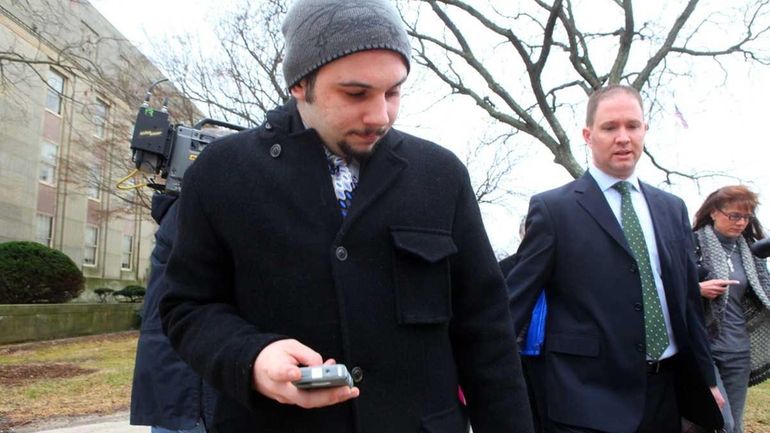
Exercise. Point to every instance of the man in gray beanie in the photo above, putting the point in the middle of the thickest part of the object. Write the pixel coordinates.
(326, 236)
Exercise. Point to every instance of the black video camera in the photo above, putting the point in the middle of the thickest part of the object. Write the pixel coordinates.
(761, 248)
(158, 147)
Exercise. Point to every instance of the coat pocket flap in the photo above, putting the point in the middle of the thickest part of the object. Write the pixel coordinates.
(582, 345)
(426, 244)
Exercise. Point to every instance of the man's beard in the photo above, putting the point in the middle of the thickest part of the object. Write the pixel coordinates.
(365, 154)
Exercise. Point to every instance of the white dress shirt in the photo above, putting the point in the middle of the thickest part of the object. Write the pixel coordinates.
(613, 198)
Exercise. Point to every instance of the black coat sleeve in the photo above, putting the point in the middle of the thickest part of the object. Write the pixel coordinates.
(482, 331)
(694, 310)
(198, 312)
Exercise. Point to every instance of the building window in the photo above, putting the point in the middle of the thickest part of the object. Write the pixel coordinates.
(48, 156)
(94, 181)
(91, 245)
(55, 90)
(101, 113)
(44, 229)
(128, 250)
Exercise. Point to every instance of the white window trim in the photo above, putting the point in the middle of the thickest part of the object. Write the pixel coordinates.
(53, 112)
(45, 182)
(130, 254)
(50, 228)
(105, 119)
(98, 186)
(55, 164)
(61, 95)
(95, 247)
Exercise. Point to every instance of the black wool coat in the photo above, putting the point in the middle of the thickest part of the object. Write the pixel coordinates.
(405, 290)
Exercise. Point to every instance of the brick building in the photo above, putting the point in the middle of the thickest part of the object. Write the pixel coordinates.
(70, 86)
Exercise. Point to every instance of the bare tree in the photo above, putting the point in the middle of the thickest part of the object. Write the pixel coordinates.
(491, 162)
(527, 64)
(240, 78)
(63, 43)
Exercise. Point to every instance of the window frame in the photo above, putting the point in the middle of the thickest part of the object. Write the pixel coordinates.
(51, 162)
(38, 217)
(129, 254)
(55, 90)
(100, 119)
(87, 247)
(95, 173)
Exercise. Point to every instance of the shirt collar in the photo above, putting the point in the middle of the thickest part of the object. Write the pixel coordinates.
(605, 181)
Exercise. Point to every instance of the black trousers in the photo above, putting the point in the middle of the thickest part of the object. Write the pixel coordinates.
(661, 413)
(533, 368)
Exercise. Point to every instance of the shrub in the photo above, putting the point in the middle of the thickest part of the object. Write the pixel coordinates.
(31, 272)
(132, 293)
(103, 292)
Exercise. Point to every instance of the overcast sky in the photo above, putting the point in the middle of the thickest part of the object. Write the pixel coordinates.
(726, 124)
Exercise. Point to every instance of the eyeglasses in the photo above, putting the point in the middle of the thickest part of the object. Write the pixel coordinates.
(735, 217)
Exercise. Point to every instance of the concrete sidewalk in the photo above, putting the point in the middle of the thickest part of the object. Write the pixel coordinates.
(116, 423)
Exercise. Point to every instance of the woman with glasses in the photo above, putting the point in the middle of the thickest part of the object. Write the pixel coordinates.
(735, 287)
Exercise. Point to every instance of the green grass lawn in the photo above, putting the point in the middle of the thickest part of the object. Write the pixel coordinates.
(757, 415)
(92, 375)
(70, 377)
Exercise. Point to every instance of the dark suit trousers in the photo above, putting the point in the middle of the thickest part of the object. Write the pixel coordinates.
(533, 368)
(661, 414)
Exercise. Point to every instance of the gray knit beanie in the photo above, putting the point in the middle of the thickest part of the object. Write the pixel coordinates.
(320, 31)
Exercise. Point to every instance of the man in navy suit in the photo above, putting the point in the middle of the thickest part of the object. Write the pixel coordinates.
(625, 347)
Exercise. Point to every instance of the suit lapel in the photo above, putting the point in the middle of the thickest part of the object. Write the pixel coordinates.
(379, 173)
(592, 199)
(659, 212)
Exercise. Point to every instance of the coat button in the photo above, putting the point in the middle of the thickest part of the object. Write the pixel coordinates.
(358, 374)
(268, 126)
(634, 268)
(640, 347)
(275, 150)
(638, 306)
(341, 253)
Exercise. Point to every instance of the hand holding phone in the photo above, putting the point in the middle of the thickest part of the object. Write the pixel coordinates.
(278, 365)
(324, 376)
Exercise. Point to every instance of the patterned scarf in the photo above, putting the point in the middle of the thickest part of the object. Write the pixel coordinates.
(756, 303)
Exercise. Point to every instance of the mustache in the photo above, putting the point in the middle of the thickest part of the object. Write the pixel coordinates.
(368, 131)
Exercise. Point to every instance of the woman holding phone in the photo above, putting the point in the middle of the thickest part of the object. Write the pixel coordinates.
(735, 288)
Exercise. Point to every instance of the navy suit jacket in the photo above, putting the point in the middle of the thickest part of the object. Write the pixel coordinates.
(166, 392)
(594, 345)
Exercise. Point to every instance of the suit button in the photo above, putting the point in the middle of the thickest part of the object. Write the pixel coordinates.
(638, 306)
(640, 347)
(275, 150)
(358, 374)
(634, 268)
(341, 253)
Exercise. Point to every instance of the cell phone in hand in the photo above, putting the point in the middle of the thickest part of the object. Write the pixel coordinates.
(324, 376)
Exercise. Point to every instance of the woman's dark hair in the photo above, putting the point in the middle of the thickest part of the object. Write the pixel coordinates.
(729, 195)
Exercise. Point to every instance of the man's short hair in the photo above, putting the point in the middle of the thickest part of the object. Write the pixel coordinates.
(602, 93)
(310, 86)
